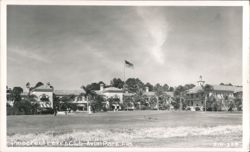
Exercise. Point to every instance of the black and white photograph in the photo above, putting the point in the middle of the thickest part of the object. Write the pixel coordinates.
(124, 76)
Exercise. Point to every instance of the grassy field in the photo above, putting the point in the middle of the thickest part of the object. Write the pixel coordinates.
(127, 129)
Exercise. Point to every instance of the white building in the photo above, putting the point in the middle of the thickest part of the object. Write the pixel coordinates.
(111, 92)
(195, 97)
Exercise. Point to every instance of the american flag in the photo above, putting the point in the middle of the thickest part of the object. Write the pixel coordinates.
(129, 64)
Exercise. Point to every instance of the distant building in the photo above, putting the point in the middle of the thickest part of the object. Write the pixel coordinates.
(44, 95)
(79, 98)
(111, 92)
(195, 97)
(151, 94)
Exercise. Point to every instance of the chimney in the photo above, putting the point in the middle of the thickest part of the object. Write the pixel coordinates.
(147, 89)
(101, 87)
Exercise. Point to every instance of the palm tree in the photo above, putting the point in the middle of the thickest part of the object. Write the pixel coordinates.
(139, 98)
(28, 87)
(33, 100)
(15, 94)
(163, 101)
(207, 89)
(38, 84)
(179, 93)
(159, 93)
(89, 94)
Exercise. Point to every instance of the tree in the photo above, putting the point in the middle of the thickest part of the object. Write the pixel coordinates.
(94, 86)
(171, 89)
(238, 103)
(188, 86)
(128, 102)
(89, 94)
(25, 107)
(157, 86)
(163, 102)
(139, 99)
(67, 102)
(115, 100)
(158, 92)
(117, 82)
(38, 84)
(34, 103)
(16, 96)
(97, 103)
(9, 91)
(179, 90)
(56, 103)
(134, 85)
(28, 86)
(179, 94)
(229, 84)
(150, 86)
(153, 102)
(20, 105)
(207, 89)
(165, 87)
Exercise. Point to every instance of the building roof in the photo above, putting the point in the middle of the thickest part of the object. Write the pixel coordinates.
(151, 93)
(128, 94)
(24, 93)
(195, 89)
(112, 89)
(170, 93)
(109, 90)
(69, 92)
(234, 89)
(227, 88)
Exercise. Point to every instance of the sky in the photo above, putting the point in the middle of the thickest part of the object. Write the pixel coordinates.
(70, 46)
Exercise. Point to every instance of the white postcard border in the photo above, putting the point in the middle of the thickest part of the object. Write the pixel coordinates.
(246, 113)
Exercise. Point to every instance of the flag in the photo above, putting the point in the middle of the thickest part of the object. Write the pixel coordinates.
(129, 64)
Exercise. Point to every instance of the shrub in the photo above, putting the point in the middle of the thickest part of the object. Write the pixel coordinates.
(97, 103)
(73, 106)
(105, 109)
(144, 107)
(197, 109)
(47, 111)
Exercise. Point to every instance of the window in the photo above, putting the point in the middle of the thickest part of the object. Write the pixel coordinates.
(79, 98)
(44, 97)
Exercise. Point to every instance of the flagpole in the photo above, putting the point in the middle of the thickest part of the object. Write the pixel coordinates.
(124, 77)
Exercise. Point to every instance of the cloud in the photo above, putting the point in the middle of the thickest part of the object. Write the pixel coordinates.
(157, 27)
(29, 54)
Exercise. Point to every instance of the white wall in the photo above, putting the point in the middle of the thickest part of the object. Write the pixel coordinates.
(49, 94)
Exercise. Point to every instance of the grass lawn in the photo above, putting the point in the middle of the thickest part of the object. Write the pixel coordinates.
(128, 128)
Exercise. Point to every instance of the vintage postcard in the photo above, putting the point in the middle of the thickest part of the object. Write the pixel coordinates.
(124, 75)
